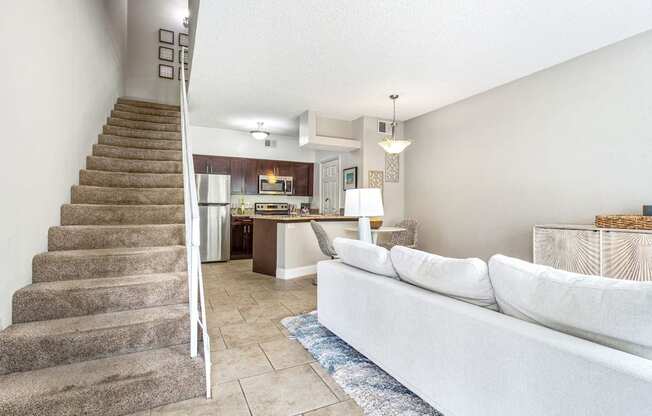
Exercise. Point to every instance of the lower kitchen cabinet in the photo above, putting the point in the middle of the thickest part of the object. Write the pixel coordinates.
(242, 238)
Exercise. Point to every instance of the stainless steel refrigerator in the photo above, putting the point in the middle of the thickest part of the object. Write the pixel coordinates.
(214, 198)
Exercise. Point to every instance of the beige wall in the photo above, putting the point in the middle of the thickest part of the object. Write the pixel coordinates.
(558, 146)
(373, 158)
(59, 81)
(145, 18)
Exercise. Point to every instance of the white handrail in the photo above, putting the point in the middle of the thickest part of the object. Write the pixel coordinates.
(196, 299)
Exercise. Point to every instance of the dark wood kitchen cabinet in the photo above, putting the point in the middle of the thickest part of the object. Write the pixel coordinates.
(237, 176)
(244, 172)
(217, 165)
(303, 177)
(250, 177)
(242, 237)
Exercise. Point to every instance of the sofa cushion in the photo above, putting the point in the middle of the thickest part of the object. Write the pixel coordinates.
(463, 279)
(612, 312)
(365, 256)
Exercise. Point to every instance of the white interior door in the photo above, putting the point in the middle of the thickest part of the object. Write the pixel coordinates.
(330, 187)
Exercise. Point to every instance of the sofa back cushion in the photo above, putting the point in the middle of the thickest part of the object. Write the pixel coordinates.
(365, 256)
(612, 312)
(463, 279)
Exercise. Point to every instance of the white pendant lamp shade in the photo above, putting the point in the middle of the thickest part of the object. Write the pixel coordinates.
(391, 144)
(259, 133)
(394, 146)
(363, 202)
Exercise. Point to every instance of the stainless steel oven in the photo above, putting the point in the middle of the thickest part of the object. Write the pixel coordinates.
(275, 185)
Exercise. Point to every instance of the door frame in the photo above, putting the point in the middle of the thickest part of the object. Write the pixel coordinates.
(321, 183)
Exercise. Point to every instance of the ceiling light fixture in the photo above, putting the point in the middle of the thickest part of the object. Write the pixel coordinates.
(392, 144)
(259, 133)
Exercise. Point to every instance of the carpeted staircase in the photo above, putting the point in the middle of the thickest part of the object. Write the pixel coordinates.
(103, 329)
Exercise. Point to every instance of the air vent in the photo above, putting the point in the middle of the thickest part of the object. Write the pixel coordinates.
(384, 127)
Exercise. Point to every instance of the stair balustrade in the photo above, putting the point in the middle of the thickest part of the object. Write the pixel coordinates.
(196, 301)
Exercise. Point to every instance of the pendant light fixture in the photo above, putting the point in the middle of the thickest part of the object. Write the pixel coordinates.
(390, 143)
(259, 133)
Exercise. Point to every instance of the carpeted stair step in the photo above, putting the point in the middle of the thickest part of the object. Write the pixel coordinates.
(91, 214)
(132, 165)
(129, 179)
(82, 194)
(135, 142)
(113, 386)
(41, 344)
(145, 134)
(65, 299)
(147, 104)
(88, 237)
(120, 152)
(147, 111)
(54, 266)
(142, 125)
(127, 115)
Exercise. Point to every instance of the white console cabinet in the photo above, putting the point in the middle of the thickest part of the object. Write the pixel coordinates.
(616, 253)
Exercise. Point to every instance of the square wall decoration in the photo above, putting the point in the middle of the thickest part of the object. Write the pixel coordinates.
(392, 167)
(186, 56)
(183, 39)
(165, 54)
(166, 36)
(166, 71)
(185, 73)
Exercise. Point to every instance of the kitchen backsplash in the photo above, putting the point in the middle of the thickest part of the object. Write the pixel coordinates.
(250, 200)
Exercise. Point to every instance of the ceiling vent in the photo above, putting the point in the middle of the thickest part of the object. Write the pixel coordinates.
(384, 127)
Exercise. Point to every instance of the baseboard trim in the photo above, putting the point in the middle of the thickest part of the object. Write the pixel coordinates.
(295, 272)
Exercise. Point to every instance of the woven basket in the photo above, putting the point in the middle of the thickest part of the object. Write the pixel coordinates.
(632, 222)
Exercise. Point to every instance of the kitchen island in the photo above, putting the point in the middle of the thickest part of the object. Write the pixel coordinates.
(286, 247)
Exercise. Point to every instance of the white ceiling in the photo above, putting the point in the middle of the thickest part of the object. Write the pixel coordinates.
(269, 60)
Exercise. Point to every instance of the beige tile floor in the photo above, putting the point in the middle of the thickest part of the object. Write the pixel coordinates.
(257, 370)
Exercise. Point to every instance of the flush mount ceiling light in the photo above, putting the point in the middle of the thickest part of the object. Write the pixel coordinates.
(390, 143)
(259, 133)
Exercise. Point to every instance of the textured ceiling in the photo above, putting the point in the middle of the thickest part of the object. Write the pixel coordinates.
(269, 60)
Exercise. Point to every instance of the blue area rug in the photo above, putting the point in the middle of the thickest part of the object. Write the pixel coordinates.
(375, 391)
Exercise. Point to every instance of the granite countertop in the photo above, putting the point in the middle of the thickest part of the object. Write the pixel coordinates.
(305, 218)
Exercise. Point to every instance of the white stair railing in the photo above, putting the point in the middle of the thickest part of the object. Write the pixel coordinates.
(196, 300)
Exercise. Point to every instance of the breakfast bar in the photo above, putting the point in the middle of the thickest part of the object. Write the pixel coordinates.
(285, 246)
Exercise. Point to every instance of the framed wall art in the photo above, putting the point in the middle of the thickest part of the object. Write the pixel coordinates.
(376, 179)
(186, 56)
(185, 73)
(165, 54)
(392, 167)
(350, 178)
(183, 39)
(166, 71)
(166, 36)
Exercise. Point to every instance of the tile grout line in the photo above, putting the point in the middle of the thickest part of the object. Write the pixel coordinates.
(245, 398)
(324, 381)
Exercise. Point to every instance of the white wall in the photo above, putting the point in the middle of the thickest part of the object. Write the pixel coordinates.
(347, 160)
(59, 81)
(145, 18)
(559, 146)
(234, 143)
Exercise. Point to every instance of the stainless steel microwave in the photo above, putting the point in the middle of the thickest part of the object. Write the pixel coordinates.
(275, 185)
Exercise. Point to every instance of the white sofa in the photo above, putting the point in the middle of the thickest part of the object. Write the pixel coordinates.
(466, 360)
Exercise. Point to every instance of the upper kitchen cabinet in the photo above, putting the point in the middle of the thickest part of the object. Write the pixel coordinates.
(250, 177)
(245, 172)
(238, 176)
(217, 165)
(303, 174)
